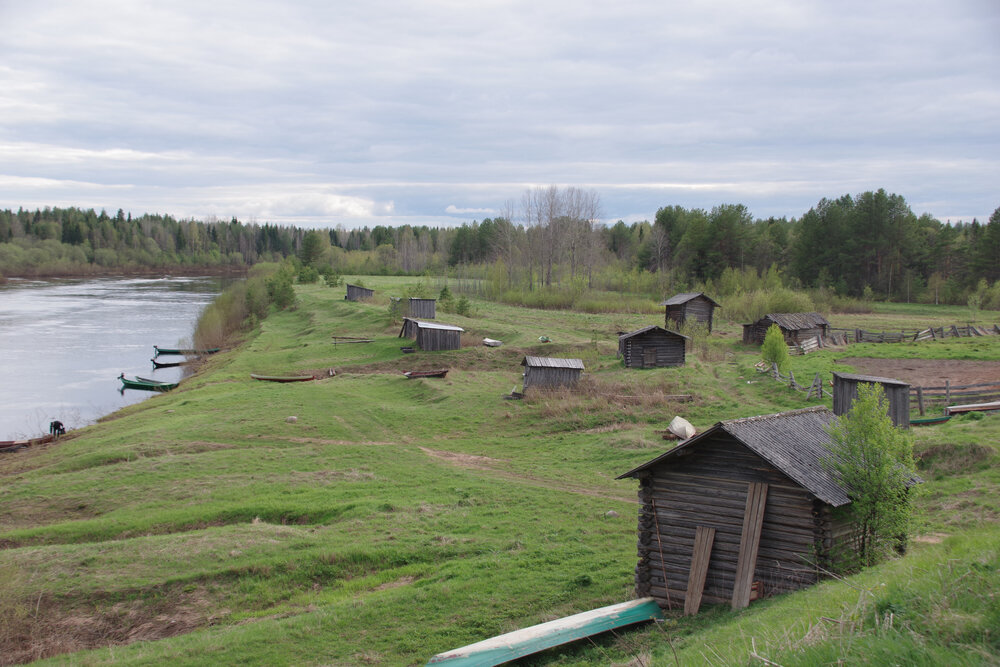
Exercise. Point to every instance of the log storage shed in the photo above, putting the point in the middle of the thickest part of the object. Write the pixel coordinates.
(551, 372)
(897, 394)
(744, 506)
(423, 308)
(694, 306)
(797, 327)
(652, 347)
(356, 293)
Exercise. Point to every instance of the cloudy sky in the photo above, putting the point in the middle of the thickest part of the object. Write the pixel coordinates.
(320, 112)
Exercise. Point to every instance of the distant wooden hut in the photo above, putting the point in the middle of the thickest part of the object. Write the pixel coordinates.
(431, 336)
(426, 308)
(652, 347)
(797, 327)
(695, 306)
(356, 293)
(747, 505)
(897, 393)
(551, 372)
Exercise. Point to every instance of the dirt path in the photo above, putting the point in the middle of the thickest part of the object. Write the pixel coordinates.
(929, 372)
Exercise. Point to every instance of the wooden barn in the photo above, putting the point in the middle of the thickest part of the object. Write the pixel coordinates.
(355, 293)
(744, 509)
(652, 347)
(423, 308)
(551, 372)
(897, 393)
(797, 327)
(689, 306)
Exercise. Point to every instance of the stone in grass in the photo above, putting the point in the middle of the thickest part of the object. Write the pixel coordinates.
(611, 514)
(291, 420)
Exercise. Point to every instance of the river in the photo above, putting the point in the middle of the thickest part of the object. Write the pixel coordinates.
(63, 344)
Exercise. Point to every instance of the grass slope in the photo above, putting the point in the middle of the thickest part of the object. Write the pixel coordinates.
(395, 518)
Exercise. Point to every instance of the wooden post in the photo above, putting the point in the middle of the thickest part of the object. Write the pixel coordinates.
(920, 400)
(791, 378)
(746, 562)
(947, 391)
(704, 537)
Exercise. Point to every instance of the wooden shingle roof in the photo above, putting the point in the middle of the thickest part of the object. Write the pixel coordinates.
(795, 321)
(796, 443)
(552, 362)
(684, 297)
(648, 329)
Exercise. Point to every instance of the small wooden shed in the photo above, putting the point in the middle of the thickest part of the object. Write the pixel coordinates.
(695, 306)
(652, 347)
(797, 327)
(897, 393)
(551, 372)
(433, 337)
(356, 293)
(747, 505)
(426, 308)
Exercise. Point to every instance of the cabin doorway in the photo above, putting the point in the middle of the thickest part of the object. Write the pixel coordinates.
(649, 357)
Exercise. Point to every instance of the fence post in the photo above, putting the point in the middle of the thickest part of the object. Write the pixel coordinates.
(920, 400)
(774, 371)
(791, 378)
(947, 391)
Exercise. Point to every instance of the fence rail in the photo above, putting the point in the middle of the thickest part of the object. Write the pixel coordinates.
(948, 394)
(839, 335)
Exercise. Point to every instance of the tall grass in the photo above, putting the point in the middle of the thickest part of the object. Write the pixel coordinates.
(239, 308)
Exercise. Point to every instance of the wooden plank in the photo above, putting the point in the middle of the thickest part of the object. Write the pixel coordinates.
(753, 519)
(703, 539)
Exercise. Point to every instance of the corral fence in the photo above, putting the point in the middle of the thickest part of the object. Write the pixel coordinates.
(947, 394)
(840, 336)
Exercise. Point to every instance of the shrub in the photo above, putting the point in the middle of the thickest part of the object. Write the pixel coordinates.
(774, 350)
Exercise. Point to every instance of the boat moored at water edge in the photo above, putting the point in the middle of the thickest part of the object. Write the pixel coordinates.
(145, 384)
(157, 351)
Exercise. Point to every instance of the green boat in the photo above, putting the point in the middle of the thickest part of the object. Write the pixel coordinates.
(282, 378)
(513, 645)
(925, 421)
(157, 351)
(145, 384)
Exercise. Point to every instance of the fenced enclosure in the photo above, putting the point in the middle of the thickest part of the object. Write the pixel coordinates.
(841, 336)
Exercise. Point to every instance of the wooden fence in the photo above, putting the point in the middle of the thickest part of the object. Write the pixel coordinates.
(947, 394)
(840, 336)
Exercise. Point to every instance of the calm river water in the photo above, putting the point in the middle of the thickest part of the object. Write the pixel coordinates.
(64, 342)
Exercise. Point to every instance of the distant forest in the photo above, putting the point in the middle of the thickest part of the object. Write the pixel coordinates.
(866, 246)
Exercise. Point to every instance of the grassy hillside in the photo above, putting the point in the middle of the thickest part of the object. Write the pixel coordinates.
(394, 519)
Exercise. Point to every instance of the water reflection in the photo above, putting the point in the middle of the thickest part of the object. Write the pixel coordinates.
(64, 342)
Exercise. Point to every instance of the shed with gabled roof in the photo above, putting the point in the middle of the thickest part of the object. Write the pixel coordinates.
(796, 327)
(652, 347)
(432, 336)
(551, 372)
(897, 394)
(747, 504)
(696, 306)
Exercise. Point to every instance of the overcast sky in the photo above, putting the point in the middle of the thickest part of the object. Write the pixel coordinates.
(321, 113)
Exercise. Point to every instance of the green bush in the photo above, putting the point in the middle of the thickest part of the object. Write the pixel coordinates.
(774, 350)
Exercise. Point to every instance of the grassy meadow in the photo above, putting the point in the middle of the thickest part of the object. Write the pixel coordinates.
(394, 519)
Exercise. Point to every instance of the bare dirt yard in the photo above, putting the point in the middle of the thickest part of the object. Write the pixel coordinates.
(928, 372)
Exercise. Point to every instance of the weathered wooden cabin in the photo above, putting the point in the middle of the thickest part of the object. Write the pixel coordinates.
(744, 508)
(897, 394)
(423, 308)
(356, 293)
(652, 347)
(797, 327)
(695, 306)
(551, 372)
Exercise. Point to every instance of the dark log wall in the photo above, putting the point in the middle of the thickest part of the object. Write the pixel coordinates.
(754, 333)
(535, 376)
(669, 350)
(434, 340)
(699, 309)
(845, 392)
(709, 488)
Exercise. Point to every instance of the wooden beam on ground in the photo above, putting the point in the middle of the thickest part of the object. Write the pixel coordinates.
(704, 537)
(746, 563)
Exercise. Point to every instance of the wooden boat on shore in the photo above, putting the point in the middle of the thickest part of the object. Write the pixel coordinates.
(14, 445)
(926, 421)
(157, 351)
(282, 378)
(426, 374)
(513, 645)
(168, 364)
(145, 384)
(972, 407)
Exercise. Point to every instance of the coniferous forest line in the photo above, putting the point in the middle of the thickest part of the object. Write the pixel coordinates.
(866, 246)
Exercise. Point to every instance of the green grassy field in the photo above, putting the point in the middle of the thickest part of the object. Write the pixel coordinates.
(395, 518)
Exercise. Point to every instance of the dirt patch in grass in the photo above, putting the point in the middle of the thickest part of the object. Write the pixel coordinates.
(928, 372)
(463, 460)
(32, 629)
